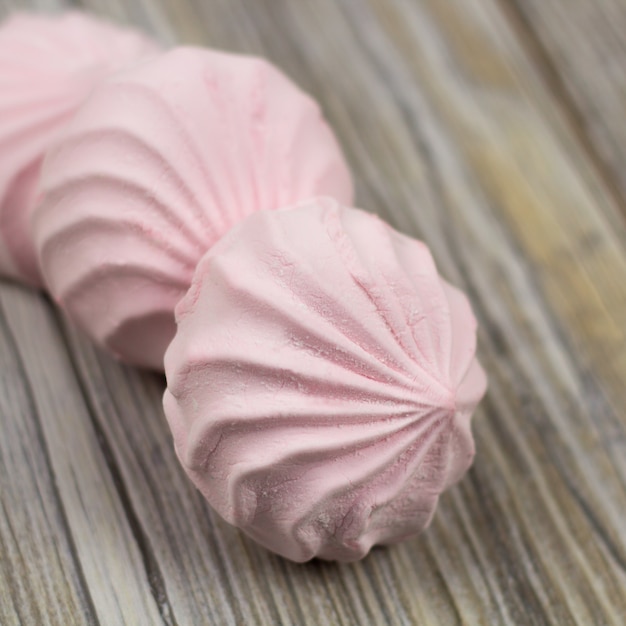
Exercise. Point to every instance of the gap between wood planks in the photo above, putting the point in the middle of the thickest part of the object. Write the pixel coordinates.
(154, 575)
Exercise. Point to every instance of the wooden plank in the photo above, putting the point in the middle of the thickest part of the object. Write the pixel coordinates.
(454, 137)
(98, 536)
(33, 523)
(580, 48)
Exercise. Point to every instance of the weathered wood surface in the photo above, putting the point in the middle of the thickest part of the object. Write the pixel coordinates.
(579, 46)
(458, 135)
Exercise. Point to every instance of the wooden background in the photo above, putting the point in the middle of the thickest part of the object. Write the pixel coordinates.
(493, 129)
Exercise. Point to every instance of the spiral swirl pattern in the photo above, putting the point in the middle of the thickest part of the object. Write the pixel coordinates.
(158, 165)
(321, 381)
(48, 67)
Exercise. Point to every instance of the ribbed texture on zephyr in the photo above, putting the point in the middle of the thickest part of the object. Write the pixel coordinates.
(161, 163)
(321, 381)
(48, 67)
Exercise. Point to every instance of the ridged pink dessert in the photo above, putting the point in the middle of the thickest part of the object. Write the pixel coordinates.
(158, 165)
(321, 381)
(48, 67)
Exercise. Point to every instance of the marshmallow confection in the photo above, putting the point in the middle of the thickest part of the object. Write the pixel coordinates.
(321, 382)
(156, 167)
(48, 67)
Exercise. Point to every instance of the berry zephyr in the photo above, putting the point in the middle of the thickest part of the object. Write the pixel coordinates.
(160, 163)
(321, 374)
(48, 68)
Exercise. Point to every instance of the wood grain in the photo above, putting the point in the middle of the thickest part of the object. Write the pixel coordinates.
(456, 135)
(579, 47)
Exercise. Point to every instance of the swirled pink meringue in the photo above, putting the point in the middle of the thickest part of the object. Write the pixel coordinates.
(158, 165)
(48, 67)
(321, 381)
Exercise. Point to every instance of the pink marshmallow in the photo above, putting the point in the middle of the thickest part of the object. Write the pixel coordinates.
(157, 166)
(48, 67)
(322, 380)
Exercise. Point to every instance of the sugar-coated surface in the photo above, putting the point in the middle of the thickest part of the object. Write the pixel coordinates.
(48, 67)
(321, 381)
(162, 162)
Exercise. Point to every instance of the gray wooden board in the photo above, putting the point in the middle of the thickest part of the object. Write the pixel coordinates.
(457, 135)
